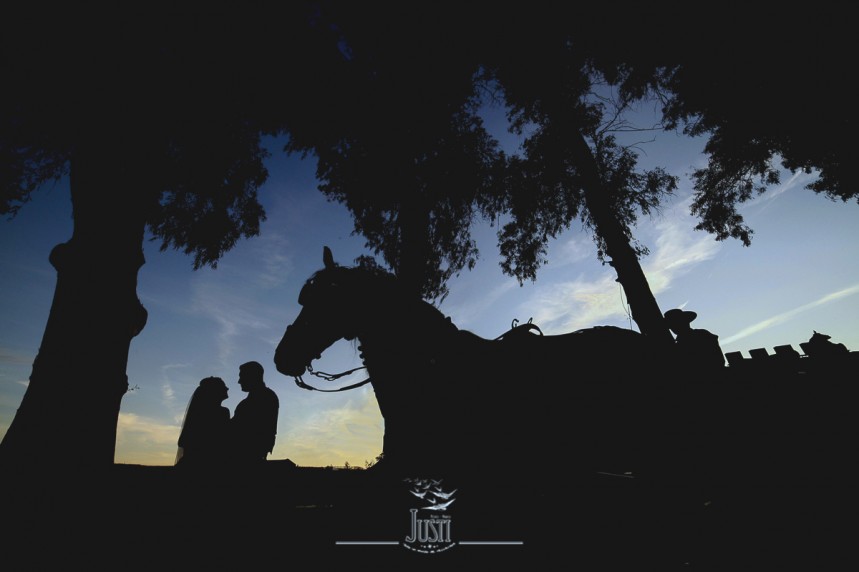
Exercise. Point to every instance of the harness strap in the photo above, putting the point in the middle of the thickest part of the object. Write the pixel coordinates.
(517, 329)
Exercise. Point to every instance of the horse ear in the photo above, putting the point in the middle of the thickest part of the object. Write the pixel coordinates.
(327, 257)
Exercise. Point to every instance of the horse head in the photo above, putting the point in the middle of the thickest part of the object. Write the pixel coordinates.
(327, 309)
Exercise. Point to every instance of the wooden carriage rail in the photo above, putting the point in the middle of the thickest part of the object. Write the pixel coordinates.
(785, 358)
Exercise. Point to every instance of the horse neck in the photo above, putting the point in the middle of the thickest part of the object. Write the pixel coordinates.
(402, 332)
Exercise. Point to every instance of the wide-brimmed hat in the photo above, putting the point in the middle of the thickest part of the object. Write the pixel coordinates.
(678, 316)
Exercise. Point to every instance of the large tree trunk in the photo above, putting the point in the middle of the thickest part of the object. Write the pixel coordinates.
(645, 310)
(68, 416)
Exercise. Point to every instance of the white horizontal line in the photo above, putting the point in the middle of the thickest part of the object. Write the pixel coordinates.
(383, 542)
(462, 542)
(491, 542)
(615, 475)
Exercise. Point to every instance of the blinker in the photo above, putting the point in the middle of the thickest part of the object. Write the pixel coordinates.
(303, 295)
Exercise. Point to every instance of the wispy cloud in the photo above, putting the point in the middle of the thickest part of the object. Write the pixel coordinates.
(15, 357)
(678, 248)
(351, 433)
(146, 441)
(580, 303)
(168, 393)
(23, 382)
(273, 253)
(11, 397)
(234, 313)
(576, 304)
(785, 316)
(574, 249)
(566, 252)
(466, 314)
(796, 180)
(234, 295)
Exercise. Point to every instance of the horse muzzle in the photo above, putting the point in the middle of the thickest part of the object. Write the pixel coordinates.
(293, 354)
(289, 362)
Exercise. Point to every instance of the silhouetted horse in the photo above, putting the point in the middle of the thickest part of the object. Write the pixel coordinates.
(453, 401)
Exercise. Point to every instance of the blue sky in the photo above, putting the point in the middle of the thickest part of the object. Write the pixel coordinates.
(801, 274)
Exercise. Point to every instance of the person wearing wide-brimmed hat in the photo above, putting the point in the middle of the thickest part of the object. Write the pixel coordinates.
(698, 349)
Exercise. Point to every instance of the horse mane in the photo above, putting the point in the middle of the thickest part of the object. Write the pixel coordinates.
(371, 281)
(363, 277)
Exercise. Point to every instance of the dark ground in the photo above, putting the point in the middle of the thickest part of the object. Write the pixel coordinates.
(773, 486)
(146, 518)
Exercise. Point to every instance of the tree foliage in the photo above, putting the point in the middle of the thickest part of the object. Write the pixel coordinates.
(773, 98)
(185, 95)
(546, 190)
(405, 150)
(408, 149)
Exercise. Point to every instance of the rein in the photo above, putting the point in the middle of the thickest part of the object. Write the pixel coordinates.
(330, 377)
(515, 328)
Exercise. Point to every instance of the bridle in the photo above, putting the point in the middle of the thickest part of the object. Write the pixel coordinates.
(516, 328)
(330, 377)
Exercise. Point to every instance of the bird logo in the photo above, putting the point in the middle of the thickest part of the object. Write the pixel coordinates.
(431, 492)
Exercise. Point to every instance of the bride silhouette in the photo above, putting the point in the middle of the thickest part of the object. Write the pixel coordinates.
(203, 440)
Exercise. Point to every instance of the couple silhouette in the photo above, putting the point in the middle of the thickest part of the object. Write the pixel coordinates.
(210, 438)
